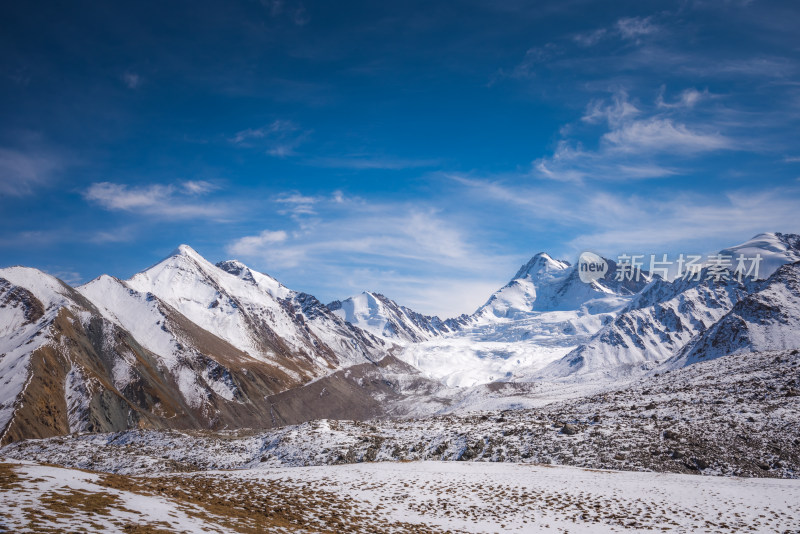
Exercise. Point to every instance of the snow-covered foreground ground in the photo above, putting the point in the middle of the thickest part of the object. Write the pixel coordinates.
(393, 497)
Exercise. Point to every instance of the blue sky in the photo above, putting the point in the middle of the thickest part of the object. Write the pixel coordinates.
(424, 150)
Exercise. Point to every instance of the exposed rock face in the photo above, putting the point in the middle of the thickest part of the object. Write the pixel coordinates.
(109, 357)
(189, 345)
(766, 319)
(703, 422)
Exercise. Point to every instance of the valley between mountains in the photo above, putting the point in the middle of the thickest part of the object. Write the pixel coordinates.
(190, 367)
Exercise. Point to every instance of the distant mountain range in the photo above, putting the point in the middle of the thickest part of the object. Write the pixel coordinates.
(187, 344)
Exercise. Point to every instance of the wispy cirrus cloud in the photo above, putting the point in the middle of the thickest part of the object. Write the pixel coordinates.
(688, 98)
(169, 201)
(639, 142)
(611, 222)
(351, 236)
(636, 27)
(253, 245)
(626, 28)
(23, 171)
(367, 161)
(296, 204)
(658, 134)
(280, 138)
(198, 187)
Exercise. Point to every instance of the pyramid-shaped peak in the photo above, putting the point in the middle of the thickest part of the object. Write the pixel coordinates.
(185, 250)
(539, 264)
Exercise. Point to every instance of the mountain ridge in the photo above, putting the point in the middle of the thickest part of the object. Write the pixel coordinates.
(189, 344)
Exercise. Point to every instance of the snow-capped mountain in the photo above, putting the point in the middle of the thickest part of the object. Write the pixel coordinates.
(184, 344)
(383, 317)
(764, 320)
(545, 284)
(667, 316)
(775, 250)
(546, 324)
(542, 314)
(189, 344)
(255, 313)
(63, 363)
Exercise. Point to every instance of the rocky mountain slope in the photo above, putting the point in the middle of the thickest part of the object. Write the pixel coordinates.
(187, 344)
(184, 344)
(765, 319)
(544, 284)
(735, 415)
(665, 318)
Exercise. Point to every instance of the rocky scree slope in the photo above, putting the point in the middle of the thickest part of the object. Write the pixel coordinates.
(736, 415)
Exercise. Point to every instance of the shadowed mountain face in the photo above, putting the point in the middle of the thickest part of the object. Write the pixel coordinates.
(190, 345)
(113, 355)
(685, 321)
(86, 373)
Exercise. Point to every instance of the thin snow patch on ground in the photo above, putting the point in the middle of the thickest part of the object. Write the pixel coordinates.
(38, 498)
(398, 497)
(490, 497)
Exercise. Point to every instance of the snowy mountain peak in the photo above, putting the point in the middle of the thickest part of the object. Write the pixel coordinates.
(541, 264)
(775, 249)
(184, 259)
(185, 250)
(101, 280)
(383, 317)
(49, 289)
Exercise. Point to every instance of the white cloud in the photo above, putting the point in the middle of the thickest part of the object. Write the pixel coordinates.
(362, 162)
(198, 187)
(418, 236)
(22, 171)
(635, 27)
(277, 126)
(687, 99)
(573, 164)
(167, 201)
(254, 245)
(590, 38)
(610, 222)
(297, 204)
(351, 236)
(639, 143)
(692, 219)
(630, 28)
(619, 110)
(280, 138)
(664, 135)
